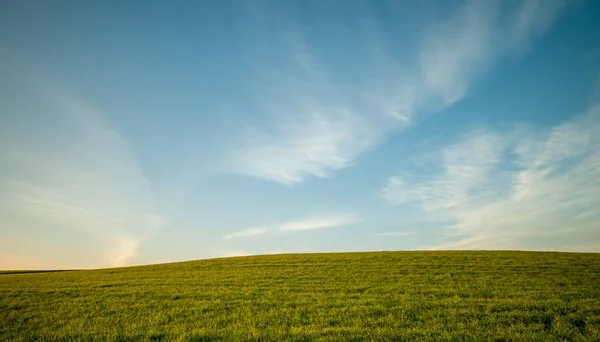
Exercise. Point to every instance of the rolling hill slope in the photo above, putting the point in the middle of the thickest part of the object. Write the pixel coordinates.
(379, 296)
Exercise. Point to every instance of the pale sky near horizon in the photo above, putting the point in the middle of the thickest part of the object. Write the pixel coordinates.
(136, 132)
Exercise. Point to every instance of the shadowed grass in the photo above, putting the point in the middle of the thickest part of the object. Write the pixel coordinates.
(462, 296)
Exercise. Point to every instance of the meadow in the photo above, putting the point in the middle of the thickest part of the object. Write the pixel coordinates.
(379, 296)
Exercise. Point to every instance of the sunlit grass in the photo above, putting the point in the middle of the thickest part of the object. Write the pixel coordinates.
(343, 296)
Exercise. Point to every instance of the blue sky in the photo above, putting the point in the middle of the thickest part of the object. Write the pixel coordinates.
(152, 131)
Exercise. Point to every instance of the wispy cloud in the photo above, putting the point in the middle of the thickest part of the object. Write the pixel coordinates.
(298, 225)
(83, 176)
(126, 248)
(453, 53)
(321, 124)
(313, 140)
(245, 233)
(318, 223)
(466, 166)
(512, 189)
(533, 18)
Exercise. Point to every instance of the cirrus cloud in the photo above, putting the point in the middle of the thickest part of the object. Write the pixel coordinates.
(511, 190)
(298, 225)
(318, 124)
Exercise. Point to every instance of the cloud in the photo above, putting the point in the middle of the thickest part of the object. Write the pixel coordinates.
(246, 233)
(466, 166)
(514, 189)
(313, 141)
(455, 53)
(534, 17)
(321, 122)
(318, 223)
(78, 174)
(452, 55)
(126, 247)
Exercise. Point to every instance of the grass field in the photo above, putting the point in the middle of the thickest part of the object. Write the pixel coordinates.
(498, 296)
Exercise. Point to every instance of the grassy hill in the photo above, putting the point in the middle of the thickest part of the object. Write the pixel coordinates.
(341, 296)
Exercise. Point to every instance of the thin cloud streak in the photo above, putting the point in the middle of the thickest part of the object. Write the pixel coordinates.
(245, 233)
(299, 225)
(318, 223)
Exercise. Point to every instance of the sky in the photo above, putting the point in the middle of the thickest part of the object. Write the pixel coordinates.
(143, 132)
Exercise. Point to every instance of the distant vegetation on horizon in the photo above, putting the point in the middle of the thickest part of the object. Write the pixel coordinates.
(378, 296)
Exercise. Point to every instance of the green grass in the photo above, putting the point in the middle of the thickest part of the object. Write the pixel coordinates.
(473, 296)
